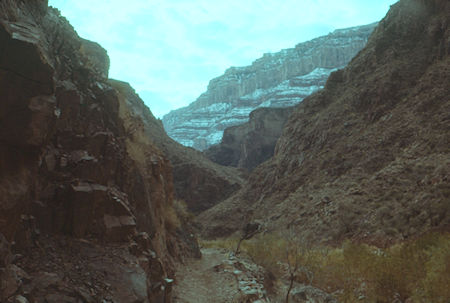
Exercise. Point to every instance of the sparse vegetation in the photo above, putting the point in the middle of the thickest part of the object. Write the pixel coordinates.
(182, 212)
(250, 230)
(295, 250)
(172, 221)
(176, 214)
(416, 270)
(229, 243)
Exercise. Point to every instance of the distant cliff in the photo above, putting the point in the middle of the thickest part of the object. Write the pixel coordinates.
(276, 80)
(368, 156)
(249, 144)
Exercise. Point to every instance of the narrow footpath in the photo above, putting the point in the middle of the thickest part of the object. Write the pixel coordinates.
(219, 278)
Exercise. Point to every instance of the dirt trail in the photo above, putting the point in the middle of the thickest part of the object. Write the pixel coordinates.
(220, 278)
(198, 281)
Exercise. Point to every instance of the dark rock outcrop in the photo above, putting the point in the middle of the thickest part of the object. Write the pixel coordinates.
(276, 80)
(249, 144)
(368, 156)
(197, 180)
(85, 194)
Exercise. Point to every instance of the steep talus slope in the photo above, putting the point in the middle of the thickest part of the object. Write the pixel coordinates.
(368, 157)
(276, 80)
(85, 199)
(249, 144)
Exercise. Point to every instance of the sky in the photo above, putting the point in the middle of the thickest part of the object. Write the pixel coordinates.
(168, 50)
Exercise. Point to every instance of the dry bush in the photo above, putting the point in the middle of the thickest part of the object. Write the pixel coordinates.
(225, 243)
(327, 266)
(267, 251)
(176, 215)
(182, 211)
(172, 221)
(436, 283)
(416, 270)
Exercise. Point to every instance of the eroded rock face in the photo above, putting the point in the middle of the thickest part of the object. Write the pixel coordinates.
(197, 181)
(249, 144)
(367, 157)
(276, 80)
(72, 166)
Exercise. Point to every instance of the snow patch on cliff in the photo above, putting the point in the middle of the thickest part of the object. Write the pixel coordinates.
(205, 125)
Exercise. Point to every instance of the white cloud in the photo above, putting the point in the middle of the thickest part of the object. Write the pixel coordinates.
(169, 49)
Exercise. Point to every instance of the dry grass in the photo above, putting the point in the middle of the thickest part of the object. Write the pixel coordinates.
(182, 212)
(418, 270)
(172, 221)
(229, 243)
(176, 215)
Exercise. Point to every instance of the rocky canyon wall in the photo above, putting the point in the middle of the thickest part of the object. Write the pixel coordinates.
(86, 196)
(368, 156)
(197, 181)
(276, 80)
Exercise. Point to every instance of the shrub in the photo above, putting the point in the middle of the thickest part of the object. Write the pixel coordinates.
(435, 285)
(176, 215)
(182, 212)
(229, 243)
(172, 221)
(267, 251)
(417, 270)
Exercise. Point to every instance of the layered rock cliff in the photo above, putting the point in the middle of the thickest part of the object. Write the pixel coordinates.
(249, 144)
(367, 157)
(86, 192)
(275, 80)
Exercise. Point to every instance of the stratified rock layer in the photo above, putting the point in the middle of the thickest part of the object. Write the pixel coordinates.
(275, 80)
(85, 195)
(367, 157)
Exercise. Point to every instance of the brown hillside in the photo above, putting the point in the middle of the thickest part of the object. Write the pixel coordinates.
(368, 156)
